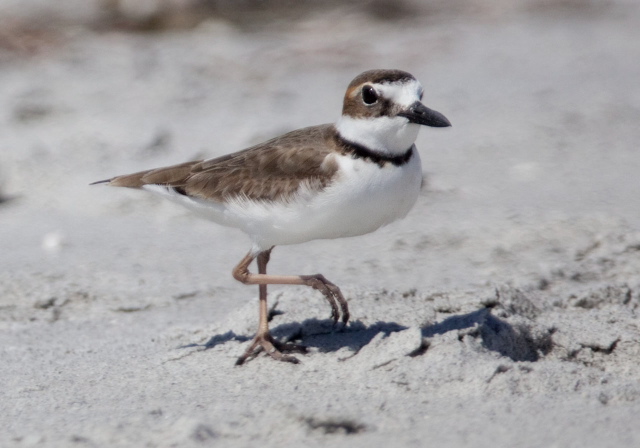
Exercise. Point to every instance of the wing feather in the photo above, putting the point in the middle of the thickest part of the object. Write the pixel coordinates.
(272, 170)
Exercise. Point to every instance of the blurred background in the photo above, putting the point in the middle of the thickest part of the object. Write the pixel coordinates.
(536, 186)
(543, 153)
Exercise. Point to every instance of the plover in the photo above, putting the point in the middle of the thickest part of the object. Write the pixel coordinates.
(328, 181)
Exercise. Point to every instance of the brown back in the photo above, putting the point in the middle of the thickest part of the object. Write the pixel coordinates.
(268, 171)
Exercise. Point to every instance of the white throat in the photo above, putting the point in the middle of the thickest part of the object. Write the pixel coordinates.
(385, 135)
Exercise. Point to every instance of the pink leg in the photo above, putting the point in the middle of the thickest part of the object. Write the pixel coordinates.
(264, 340)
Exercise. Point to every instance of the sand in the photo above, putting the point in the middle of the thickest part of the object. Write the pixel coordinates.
(503, 311)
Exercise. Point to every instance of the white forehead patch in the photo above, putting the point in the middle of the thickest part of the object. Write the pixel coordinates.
(402, 93)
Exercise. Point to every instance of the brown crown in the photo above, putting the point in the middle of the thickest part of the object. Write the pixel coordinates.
(353, 105)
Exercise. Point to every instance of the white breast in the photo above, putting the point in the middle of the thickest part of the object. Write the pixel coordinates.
(363, 198)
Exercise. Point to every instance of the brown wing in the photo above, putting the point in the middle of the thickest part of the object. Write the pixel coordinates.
(268, 171)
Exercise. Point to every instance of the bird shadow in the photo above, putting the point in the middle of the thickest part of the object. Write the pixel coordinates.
(516, 342)
(219, 339)
(323, 335)
(319, 333)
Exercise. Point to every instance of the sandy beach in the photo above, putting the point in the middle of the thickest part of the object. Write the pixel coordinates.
(502, 312)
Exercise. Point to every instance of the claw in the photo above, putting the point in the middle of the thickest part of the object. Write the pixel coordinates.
(344, 306)
(333, 295)
(265, 342)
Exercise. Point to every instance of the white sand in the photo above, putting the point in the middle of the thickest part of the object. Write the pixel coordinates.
(503, 311)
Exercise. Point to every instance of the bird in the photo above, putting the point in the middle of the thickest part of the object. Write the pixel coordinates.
(335, 180)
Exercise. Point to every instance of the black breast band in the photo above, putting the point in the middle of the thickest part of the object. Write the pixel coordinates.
(361, 152)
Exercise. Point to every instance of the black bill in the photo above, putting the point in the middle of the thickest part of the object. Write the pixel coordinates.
(420, 114)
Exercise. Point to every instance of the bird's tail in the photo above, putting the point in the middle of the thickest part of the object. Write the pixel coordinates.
(106, 181)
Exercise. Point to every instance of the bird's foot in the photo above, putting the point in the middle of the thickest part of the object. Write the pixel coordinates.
(265, 342)
(333, 295)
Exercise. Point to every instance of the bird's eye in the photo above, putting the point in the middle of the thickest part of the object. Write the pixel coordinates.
(369, 95)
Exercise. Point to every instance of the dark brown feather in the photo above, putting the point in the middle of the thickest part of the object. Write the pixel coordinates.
(270, 171)
(353, 105)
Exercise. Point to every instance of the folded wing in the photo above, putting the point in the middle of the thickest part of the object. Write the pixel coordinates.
(273, 170)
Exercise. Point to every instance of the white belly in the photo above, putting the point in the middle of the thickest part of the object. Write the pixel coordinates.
(363, 198)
